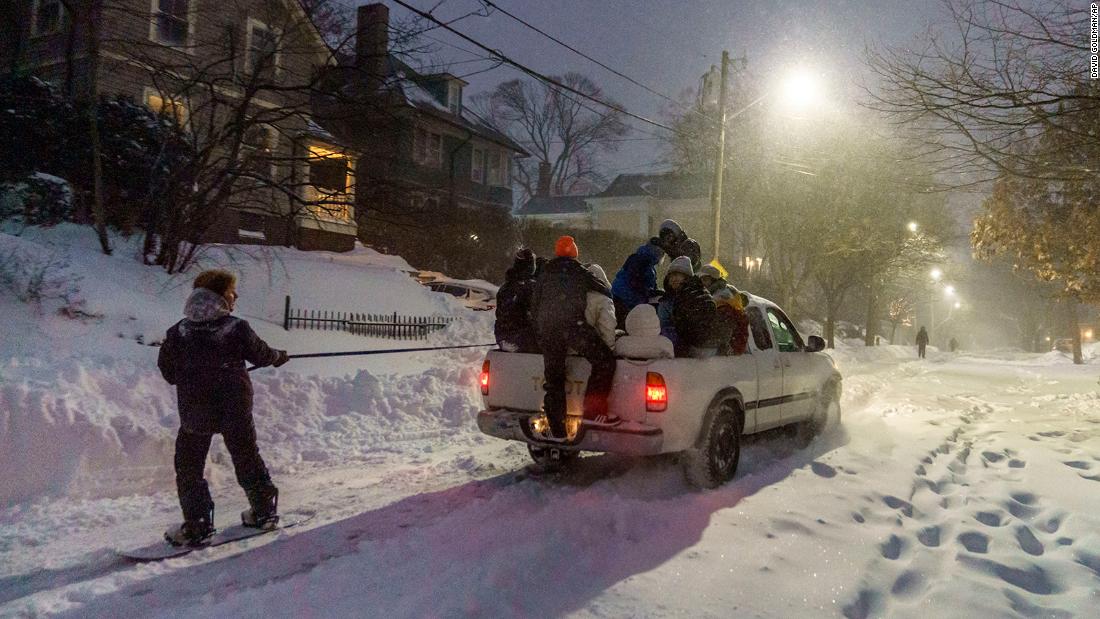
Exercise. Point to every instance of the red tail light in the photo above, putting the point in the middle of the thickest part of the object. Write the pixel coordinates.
(656, 394)
(484, 378)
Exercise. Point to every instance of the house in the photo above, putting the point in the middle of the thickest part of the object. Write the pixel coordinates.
(428, 160)
(570, 212)
(636, 204)
(202, 62)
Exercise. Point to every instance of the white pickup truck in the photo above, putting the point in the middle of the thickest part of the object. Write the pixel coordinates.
(697, 407)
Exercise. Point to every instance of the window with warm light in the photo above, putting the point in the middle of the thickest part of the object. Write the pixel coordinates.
(331, 183)
(166, 106)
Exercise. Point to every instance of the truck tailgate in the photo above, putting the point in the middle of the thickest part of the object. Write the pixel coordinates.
(515, 383)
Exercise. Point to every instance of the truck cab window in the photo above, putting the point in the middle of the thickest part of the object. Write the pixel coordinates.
(759, 329)
(785, 334)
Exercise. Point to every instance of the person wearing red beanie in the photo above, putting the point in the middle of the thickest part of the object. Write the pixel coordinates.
(558, 307)
(566, 247)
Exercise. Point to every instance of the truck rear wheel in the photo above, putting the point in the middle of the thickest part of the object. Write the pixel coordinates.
(714, 460)
(552, 459)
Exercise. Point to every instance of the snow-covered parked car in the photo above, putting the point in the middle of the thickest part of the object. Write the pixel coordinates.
(698, 407)
(475, 294)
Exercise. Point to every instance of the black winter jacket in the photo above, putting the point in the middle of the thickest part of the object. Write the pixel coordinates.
(561, 295)
(693, 314)
(514, 303)
(206, 363)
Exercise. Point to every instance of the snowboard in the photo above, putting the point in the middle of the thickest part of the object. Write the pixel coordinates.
(163, 550)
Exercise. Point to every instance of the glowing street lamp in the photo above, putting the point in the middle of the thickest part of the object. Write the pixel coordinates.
(949, 291)
(936, 274)
(913, 226)
(958, 304)
(801, 90)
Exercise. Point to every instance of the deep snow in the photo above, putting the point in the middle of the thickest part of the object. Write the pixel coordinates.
(965, 485)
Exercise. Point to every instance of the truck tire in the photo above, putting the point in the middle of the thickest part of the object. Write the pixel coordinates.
(549, 461)
(714, 460)
(826, 415)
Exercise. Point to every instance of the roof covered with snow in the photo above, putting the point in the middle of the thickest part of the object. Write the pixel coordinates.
(554, 205)
(667, 185)
(428, 93)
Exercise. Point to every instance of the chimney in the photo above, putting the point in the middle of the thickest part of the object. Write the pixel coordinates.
(543, 188)
(372, 40)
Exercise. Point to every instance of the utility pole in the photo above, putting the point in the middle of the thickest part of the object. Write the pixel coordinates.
(719, 163)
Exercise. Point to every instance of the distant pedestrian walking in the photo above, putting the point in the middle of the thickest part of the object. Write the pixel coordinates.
(922, 342)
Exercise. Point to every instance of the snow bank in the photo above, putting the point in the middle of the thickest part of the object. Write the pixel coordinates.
(84, 411)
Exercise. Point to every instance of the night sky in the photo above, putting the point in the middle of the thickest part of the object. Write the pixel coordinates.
(668, 45)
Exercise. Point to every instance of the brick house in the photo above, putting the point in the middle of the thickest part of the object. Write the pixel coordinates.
(426, 156)
(194, 59)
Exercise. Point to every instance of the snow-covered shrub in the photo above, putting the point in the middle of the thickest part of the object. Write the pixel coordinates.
(39, 200)
(38, 278)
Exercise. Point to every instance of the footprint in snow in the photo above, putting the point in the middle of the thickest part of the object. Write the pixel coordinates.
(894, 502)
(1078, 464)
(892, 548)
(909, 584)
(1052, 524)
(975, 541)
(992, 456)
(1028, 542)
(1033, 578)
(1091, 477)
(1052, 434)
(929, 536)
(823, 470)
(990, 519)
(867, 604)
(1016, 463)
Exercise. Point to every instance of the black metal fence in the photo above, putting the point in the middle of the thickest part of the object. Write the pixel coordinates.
(391, 326)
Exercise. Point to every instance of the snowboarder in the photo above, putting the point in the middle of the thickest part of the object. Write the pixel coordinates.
(600, 310)
(644, 339)
(636, 281)
(558, 309)
(204, 356)
(513, 328)
(687, 312)
(922, 342)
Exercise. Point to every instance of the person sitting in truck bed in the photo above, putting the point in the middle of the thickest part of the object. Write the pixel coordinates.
(643, 339)
(636, 281)
(731, 324)
(513, 328)
(713, 281)
(686, 312)
(600, 309)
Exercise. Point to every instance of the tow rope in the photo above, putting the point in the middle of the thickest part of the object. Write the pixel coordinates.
(386, 351)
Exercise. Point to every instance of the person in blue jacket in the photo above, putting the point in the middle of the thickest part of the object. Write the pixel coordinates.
(636, 281)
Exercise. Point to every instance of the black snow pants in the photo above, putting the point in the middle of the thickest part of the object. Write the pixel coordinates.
(585, 342)
(191, 451)
(920, 350)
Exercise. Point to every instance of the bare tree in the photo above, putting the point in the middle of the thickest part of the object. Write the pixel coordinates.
(558, 128)
(1003, 92)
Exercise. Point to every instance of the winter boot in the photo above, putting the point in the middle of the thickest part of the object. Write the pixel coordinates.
(191, 532)
(264, 513)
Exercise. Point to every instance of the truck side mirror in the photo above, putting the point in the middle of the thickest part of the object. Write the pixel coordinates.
(815, 343)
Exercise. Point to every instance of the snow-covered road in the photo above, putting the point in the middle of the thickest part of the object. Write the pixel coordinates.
(962, 486)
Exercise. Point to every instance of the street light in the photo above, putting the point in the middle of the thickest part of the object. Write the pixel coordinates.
(913, 226)
(949, 291)
(799, 90)
(958, 304)
(936, 274)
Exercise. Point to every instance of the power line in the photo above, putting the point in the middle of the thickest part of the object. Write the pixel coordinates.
(533, 73)
(576, 51)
